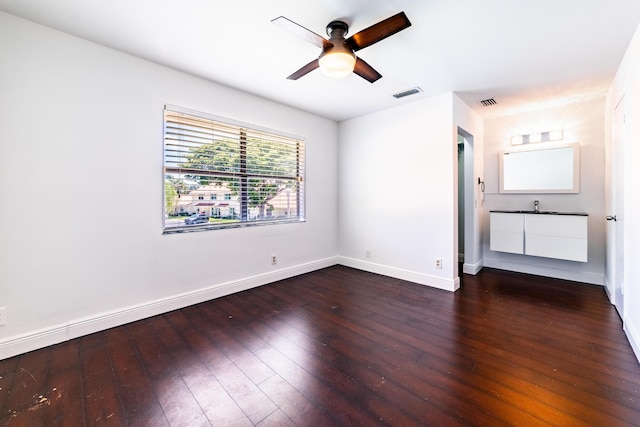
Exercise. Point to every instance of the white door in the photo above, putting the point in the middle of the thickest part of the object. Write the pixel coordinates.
(616, 219)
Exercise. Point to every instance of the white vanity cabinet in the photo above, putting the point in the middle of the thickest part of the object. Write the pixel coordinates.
(550, 235)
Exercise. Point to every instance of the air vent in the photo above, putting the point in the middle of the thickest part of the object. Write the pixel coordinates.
(488, 102)
(407, 92)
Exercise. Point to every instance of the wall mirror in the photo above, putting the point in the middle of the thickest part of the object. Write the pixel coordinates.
(541, 170)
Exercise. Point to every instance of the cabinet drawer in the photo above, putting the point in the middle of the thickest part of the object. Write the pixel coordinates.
(507, 222)
(557, 225)
(556, 247)
(507, 242)
(507, 232)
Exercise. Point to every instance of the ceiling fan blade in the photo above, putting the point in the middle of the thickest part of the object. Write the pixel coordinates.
(305, 70)
(379, 31)
(300, 31)
(366, 71)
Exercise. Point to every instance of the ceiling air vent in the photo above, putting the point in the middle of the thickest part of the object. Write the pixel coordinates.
(488, 102)
(412, 91)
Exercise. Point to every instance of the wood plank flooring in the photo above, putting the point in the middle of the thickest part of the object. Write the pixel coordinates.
(342, 347)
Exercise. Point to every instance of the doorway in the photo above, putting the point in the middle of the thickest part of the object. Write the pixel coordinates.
(461, 204)
(616, 220)
(468, 243)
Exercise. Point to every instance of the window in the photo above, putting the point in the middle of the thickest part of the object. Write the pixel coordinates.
(259, 173)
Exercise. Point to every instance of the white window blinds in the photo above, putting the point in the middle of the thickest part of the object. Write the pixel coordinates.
(219, 173)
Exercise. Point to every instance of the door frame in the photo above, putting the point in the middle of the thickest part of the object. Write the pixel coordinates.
(472, 263)
(618, 149)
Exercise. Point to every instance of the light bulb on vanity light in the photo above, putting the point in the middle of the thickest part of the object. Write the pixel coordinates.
(535, 137)
(555, 135)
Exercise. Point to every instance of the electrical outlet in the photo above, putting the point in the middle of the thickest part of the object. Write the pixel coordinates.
(274, 259)
(3, 316)
(438, 262)
(367, 253)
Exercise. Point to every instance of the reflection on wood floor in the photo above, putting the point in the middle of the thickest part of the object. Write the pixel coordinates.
(345, 347)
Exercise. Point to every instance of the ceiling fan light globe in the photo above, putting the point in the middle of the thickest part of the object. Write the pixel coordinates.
(337, 64)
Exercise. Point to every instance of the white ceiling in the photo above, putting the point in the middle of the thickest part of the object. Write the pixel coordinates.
(519, 52)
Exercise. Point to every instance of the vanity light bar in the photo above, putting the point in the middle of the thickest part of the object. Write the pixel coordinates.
(552, 135)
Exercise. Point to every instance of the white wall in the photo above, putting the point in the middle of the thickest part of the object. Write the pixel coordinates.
(582, 122)
(81, 244)
(627, 83)
(397, 197)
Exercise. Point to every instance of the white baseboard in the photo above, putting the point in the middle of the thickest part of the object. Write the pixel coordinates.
(557, 273)
(634, 338)
(75, 328)
(607, 289)
(472, 268)
(398, 273)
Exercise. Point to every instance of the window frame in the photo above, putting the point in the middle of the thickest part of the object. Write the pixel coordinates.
(243, 175)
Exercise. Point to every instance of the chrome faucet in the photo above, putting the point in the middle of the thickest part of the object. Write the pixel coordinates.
(536, 206)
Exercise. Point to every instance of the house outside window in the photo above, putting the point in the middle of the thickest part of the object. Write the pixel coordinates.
(236, 174)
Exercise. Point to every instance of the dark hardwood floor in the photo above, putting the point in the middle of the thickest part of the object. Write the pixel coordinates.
(341, 347)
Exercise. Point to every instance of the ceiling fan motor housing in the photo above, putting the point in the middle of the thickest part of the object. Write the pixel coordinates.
(337, 25)
(337, 30)
(337, 59)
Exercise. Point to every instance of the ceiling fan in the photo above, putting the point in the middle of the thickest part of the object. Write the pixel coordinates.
(338, 58)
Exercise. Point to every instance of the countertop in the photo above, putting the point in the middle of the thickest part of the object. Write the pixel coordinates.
(541, 212)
